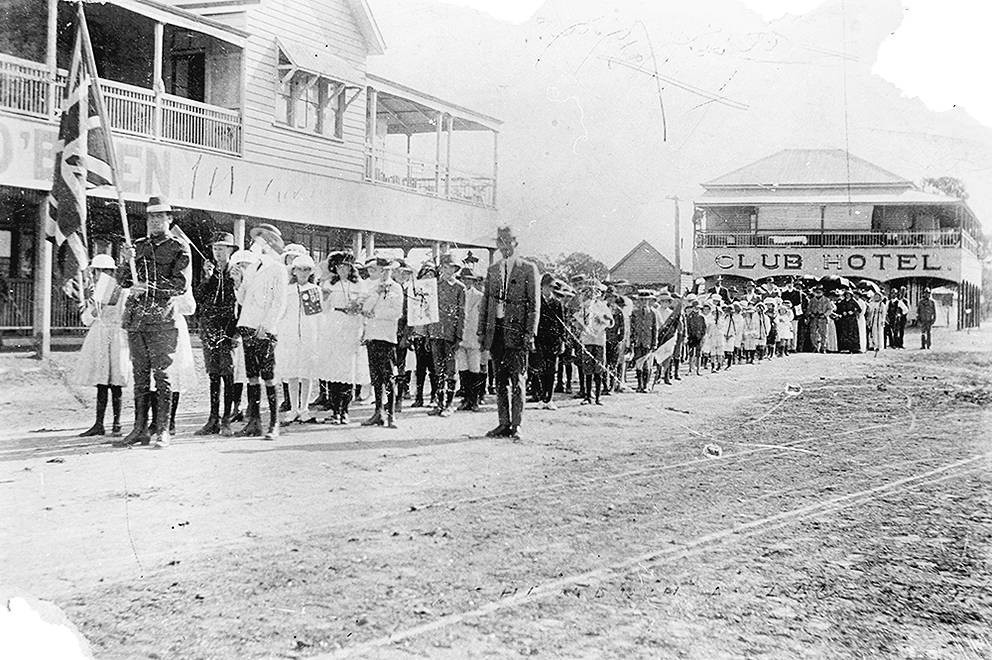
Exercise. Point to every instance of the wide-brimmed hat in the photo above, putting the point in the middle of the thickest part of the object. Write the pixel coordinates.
(224, 238)
(381, 262)
(427, 267)
(547, 279)
(295, 248)
(304, 261)
(244, 257)
(340, 258)
(157, 204)
(103, 261)
(644, 294)
(560, 288)
(270, 234)
(665, 295)
(446, 260)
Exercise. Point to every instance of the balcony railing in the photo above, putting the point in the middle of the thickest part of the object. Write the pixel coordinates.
(951, 238)
(428, 177)
(25, 88)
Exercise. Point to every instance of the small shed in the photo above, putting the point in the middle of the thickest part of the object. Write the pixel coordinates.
(645, 265)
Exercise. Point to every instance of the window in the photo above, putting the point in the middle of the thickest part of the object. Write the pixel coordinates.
(308, 102)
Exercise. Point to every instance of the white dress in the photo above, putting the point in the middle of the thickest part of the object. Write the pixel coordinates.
(342, 357)
(182, 372)
(104, 358)
(713, 339)
(299, 333)
(783, 326)
(862, 325)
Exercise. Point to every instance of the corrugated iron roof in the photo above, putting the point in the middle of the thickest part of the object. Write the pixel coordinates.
(809, 167)
(830, 196)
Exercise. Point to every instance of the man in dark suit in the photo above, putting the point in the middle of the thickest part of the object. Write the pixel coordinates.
(508, 318)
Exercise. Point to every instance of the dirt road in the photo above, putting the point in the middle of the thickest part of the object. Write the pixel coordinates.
(850, 518)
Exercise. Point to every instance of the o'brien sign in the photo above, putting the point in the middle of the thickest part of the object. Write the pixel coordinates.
(881, 264)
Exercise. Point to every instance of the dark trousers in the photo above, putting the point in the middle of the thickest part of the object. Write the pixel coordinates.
(545, 370)
(260, 354)
(510, 367)
(443, 357)
(925, 334)
(896, 331)
(425, 365)
(151, 356)
(218, 351)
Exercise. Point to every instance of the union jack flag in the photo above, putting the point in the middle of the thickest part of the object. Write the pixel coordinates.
(83, 157)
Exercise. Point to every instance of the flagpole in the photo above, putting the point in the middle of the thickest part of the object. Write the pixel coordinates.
(111, 154)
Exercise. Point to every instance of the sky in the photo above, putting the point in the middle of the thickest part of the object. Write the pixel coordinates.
(592, 151)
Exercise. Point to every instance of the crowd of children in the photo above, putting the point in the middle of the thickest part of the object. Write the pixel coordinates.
(322, 334)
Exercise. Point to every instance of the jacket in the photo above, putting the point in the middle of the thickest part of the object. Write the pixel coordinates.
(451, 312)
(643, 328)
(473, 304)
(263, 296)
(926, 311)
(550, 327)
(216, 303)
(522, 304)
(383, 308)
(160, 263)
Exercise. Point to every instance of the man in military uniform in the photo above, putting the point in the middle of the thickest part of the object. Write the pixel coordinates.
(216, 307)
(926, 316)
(149, 318)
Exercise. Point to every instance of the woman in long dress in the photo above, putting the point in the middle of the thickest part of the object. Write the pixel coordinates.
(832, 327)
(876, 323)
(847, 324)
(299, 334)
(104, 361)
(862, 322)
(341, 334)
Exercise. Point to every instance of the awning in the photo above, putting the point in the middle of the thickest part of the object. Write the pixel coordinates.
(785, 196)
(320, 62)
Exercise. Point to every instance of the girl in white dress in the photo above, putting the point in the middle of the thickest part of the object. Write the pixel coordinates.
(783, 327)
(341, 354)
(104, 361)
(299, 333)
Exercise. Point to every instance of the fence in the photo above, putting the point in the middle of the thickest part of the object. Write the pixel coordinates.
(25, 88)
(954, 238)
(428, 177)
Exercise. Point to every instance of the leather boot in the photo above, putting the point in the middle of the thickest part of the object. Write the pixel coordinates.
(253, 425)
(101, 410)
(163, 404)
(139, 434)
(273, 399)
(115, 401)
(390, 403)
(172, 412)
(212, 427)
(376, 418)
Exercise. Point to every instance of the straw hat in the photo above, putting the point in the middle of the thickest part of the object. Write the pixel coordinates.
(244, 257)
(304, 261)
(103, 261)
(270, 234)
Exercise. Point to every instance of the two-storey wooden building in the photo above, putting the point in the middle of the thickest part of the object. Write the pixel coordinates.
(241, 112)
(824, 212)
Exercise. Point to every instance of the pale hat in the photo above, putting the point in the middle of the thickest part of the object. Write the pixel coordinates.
(304, 261)
(244, 257)
(295, 248)
(103, 261)
(271, 235)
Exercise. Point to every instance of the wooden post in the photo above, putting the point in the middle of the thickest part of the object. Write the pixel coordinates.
(158, 85)
(678, 246)
(438, 122)
(356, 245)
(409, 183)
(369, 244)
(436, 250)
(51, 59)
(42, 312)
(447, 162)
(373, 126)
(239, 231)
(495, 164)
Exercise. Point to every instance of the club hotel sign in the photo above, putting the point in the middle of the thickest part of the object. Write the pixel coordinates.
(878, 264)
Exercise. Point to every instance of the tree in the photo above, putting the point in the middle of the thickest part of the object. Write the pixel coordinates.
(947, 185)
(579, 263)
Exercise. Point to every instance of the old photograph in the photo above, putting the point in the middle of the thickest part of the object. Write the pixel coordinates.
(495, 329)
